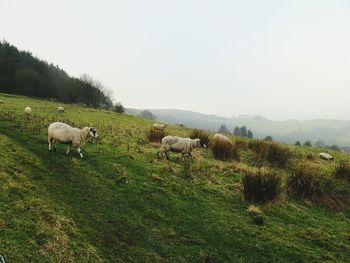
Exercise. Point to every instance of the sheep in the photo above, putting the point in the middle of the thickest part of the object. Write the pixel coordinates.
(179, 145)
(157, 126)
(326, 156)
(60, 109)
(219, 138)
(66, 134)
(28, 112)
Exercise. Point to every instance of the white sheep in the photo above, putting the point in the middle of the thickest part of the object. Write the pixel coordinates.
(28, 112)
(219, 138)
(178, 145)
(66, 134)
(60, 109)
(157, 126)
(326, 156)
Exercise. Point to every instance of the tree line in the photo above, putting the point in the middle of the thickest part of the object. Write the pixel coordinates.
(23, 74)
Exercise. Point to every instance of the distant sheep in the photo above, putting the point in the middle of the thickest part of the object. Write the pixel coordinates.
(178, 145)
(157, 126)
(326, 156)
(28, 112)
(66, 134)
(60, 109)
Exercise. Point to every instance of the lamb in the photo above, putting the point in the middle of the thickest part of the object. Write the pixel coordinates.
(66, 134)
(157, 126)
(60, 109)
(178, 144)
(28, 112)
(326, 156)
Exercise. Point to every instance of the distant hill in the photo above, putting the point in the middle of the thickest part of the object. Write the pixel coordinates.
(329, 131)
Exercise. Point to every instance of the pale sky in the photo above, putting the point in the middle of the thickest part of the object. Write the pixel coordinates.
(280, 59)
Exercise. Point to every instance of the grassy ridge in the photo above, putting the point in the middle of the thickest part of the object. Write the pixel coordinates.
(62, 209)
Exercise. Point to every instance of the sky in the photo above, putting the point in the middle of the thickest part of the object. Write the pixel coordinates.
(280, 59)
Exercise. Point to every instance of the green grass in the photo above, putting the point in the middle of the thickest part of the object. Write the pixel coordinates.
(55, 208)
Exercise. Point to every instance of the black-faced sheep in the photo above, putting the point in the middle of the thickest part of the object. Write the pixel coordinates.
(178, 145)
(66, 134)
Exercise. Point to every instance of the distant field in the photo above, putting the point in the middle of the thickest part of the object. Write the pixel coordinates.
(55, 208)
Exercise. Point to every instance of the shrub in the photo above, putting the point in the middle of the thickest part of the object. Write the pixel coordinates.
(224, 151)
(272, 152)
(156, 135)
(261, 185)
(308, 144)
(202, 135)
(305, 181)
(342, 170)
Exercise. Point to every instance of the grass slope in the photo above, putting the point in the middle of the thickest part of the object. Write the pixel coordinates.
(55, 208)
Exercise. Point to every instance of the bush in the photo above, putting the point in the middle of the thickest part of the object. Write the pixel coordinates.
(156, 135)
(224, 151)
(272, 152)
(305, 181)
(261, 185)
(202, 135)
(342, 170)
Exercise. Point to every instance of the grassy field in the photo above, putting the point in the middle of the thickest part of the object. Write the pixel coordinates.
(55, 208)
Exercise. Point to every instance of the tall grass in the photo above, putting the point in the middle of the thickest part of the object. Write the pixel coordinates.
(342, 170)
(305, 181)
(224, 151)
(261, 185)
(274, 153)
(156, 135)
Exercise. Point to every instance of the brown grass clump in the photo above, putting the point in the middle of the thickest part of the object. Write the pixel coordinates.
(202, 135)
(224, 150)
(342, 170)
(305, 181)
(156, 135)
(261, 185)
(274, 153)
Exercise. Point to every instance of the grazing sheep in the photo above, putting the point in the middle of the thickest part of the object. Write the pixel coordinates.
(326, 156)
(157, 126)
(28, 112)
(221, 138)
(178, 145)
(60, 109)
(66, 134)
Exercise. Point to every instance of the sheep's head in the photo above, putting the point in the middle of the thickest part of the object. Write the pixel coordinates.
(93, 133)
(197, 142)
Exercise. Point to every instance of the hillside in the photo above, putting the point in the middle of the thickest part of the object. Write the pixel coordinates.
(289, 131)
(66, 209)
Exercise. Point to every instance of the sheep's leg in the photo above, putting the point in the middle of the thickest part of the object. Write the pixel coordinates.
(167, 155)
(50, 147)
(68, 149)
(79, 151)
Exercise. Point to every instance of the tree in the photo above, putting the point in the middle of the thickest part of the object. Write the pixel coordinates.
(297, 143)
(319, 143)
(334, 147)
(250, 134)
(223, 129)
(118, 107)
(237, 131)
(268, 138)
(146, 114)
(308, 144)
(244, 131)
